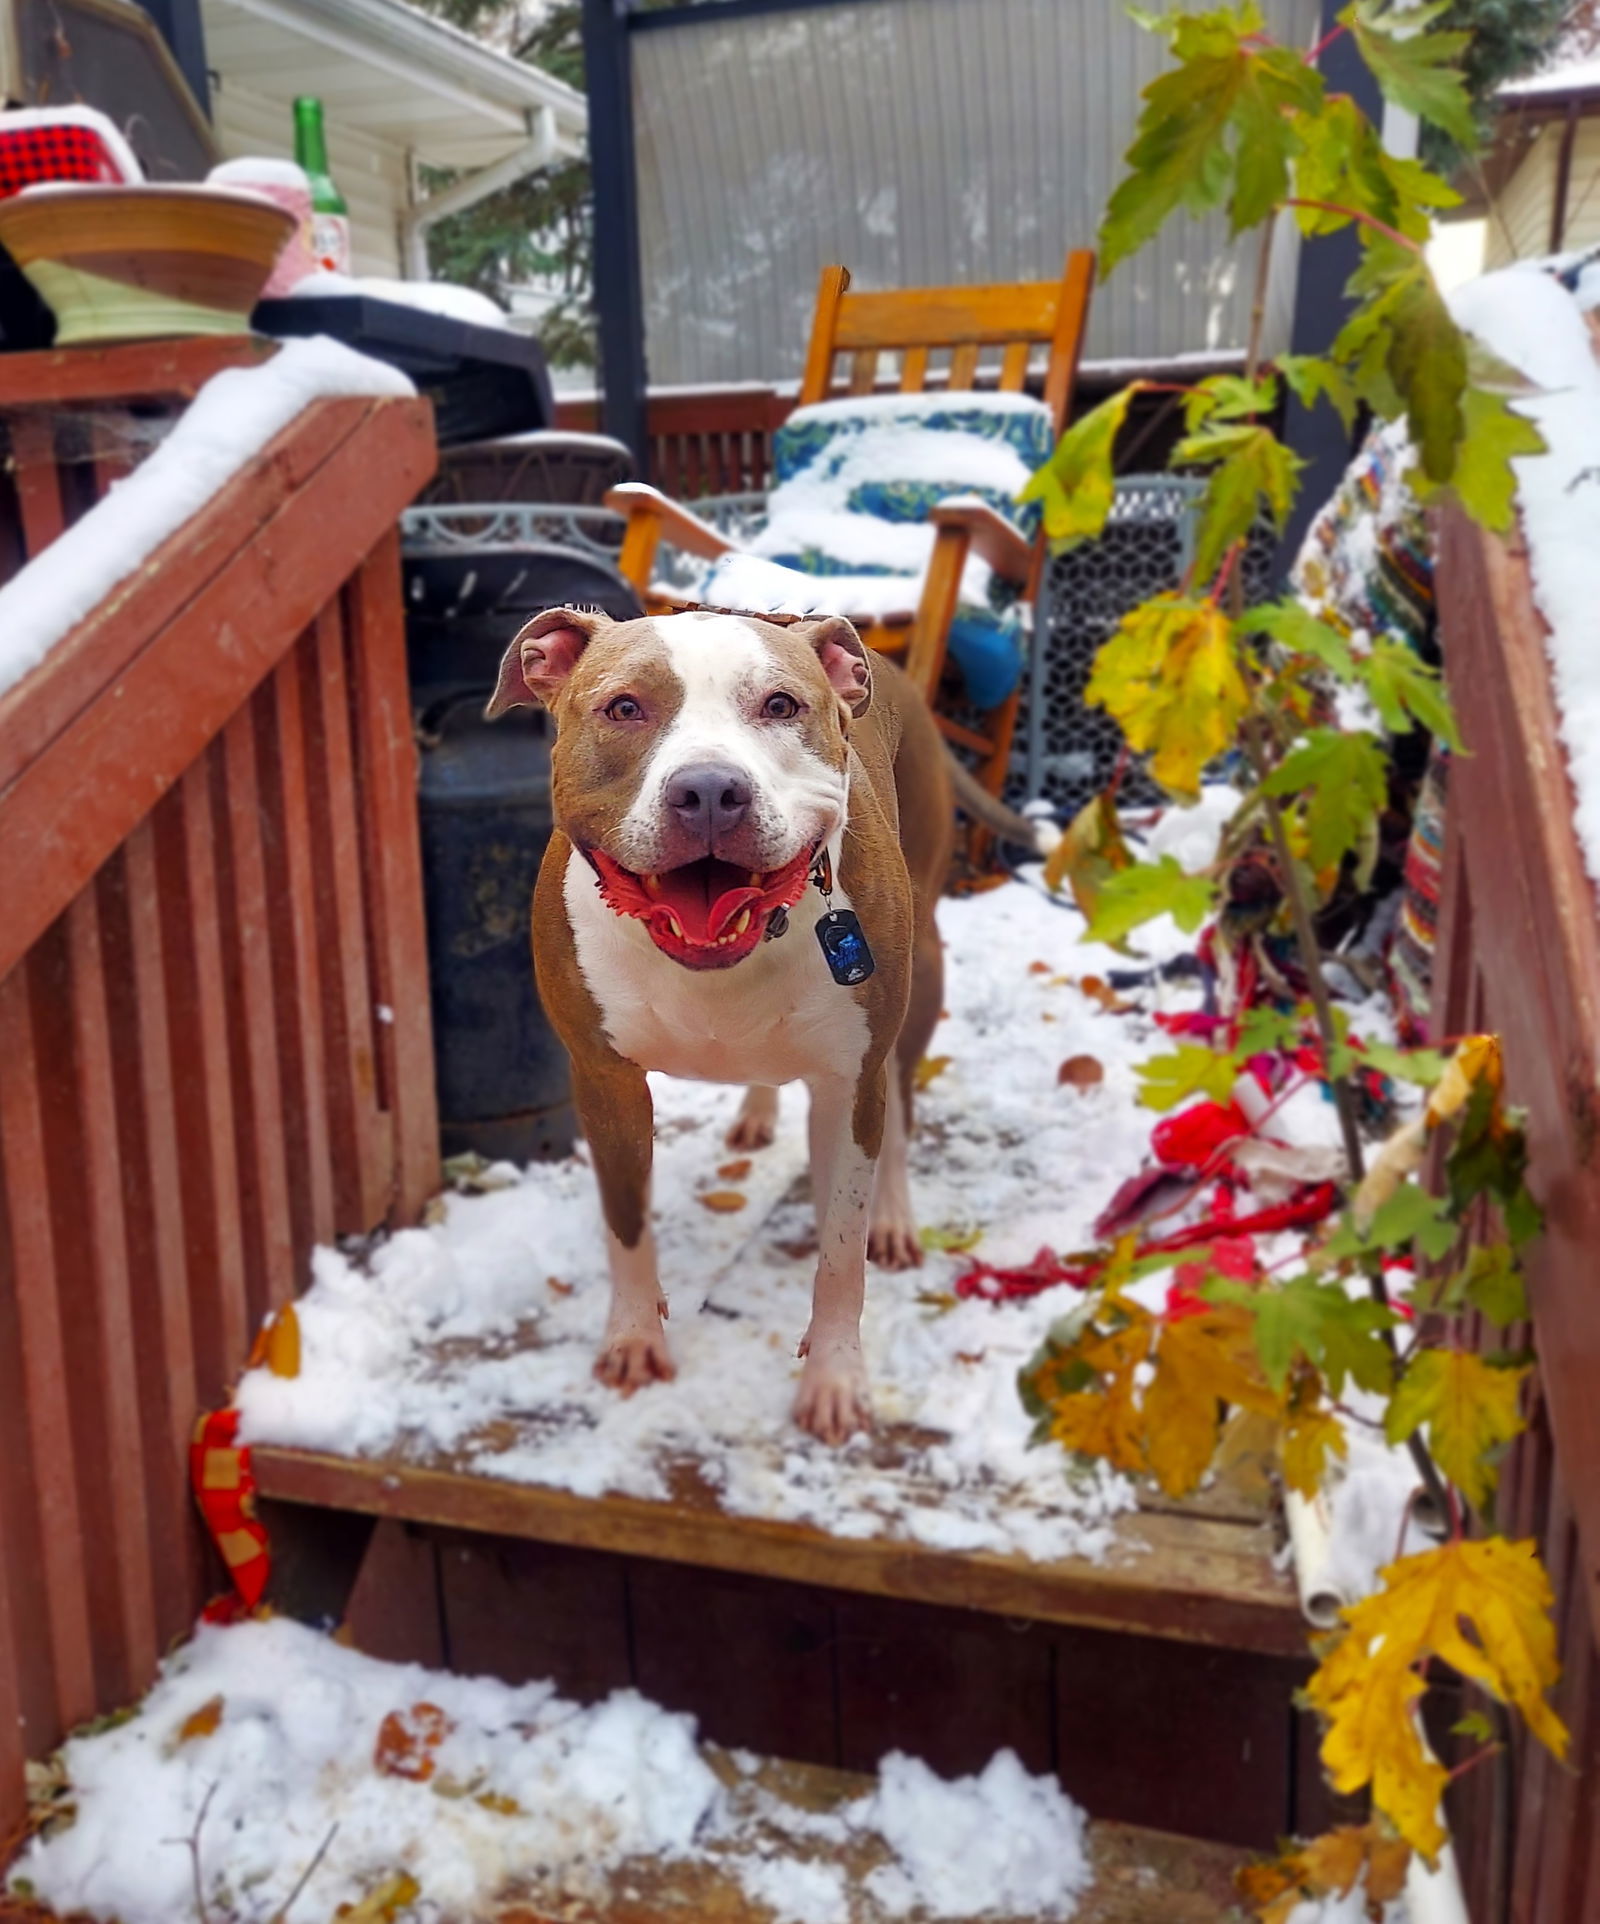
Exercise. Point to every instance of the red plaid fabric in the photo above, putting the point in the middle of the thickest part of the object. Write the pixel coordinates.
(61, 152)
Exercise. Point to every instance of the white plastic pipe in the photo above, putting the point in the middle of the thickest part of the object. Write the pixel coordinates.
(1311, 1543)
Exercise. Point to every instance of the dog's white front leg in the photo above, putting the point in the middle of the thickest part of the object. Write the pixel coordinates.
(832, 1400)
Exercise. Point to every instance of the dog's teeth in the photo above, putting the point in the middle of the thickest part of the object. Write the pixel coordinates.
(743, 922)
(651, 885)
(755, 878)
(674, 925)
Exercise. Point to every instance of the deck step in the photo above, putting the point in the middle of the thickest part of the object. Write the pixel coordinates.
(1201, 1573)
(1140, 1876)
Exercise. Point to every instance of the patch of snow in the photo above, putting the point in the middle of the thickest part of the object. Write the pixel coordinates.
(1530, 321)
(232, 418)
(432, 297)
(261, 1743)
(259, 170)
(741, 580)
(1192, 835)
(1003, 1841)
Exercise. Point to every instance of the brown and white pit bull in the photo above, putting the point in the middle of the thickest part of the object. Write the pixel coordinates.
(705, 767)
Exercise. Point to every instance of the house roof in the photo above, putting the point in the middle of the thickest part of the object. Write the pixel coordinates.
(394, 73)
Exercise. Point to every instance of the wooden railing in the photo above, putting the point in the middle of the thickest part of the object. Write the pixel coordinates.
(1519, 954)
(214, 1033)
(702, 440)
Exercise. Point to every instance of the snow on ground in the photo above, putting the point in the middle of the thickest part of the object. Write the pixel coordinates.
(261, 1744)
(232, 418)
(1000, 1148)
(1527, 318)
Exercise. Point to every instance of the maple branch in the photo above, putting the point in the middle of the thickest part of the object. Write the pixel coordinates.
(1355, 214)
(1324, 44)
(305, 1877)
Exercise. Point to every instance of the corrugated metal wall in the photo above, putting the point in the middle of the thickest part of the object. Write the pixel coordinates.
(920, 142)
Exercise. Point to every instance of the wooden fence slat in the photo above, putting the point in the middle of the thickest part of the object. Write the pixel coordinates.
(33, 449)
(13, 1723)
(296, 958)
(254, 1015)
(121, 1478)
(863, 370)
(47, 699)
(362, 1166)
(141, 1050)
(44, 1365)
(55, 829)
(913, 370)
(394, 869)
(1014, 367)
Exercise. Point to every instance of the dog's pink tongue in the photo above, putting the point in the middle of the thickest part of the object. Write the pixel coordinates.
(705, 897)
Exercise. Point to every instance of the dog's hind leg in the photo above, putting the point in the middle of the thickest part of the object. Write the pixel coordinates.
(757, 1121)
(893, 1240)
(618, 1121)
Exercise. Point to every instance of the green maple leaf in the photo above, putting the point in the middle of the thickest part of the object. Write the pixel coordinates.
(1470, 1407)
(1335, 1332)
(1405, 352)
(1219, 119)
(1076, 485)
(1407, 693)
(1345, 780)
(1412, 1215)
(1250, 466)
(1264, 1028)
(1293, 626)
(1190, 1070)
(1149, 889)
(1494, 434)
(1343, 164)
(1421, 1066)
(1311, 377)
(1353, 1347)
(1416, 71)
(1228, 397)
(1492, 1283)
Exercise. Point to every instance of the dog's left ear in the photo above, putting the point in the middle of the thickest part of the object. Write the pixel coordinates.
(846, 661)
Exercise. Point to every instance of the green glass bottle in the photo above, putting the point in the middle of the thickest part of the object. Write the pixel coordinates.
(330, 217)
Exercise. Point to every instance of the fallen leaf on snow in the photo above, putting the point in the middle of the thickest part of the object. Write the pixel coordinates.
(407, 1740)
(735, 1171)
(928, 1068)
(560, 1288)
(1080, 1072)
(200, 1723)
(383, 1905)
(723, 1201)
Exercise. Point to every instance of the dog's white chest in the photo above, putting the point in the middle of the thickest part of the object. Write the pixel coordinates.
(777, 1017)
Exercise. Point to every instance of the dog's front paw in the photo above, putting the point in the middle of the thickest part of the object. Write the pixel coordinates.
(634, 1356)
(832, 1402)
(893, 1242)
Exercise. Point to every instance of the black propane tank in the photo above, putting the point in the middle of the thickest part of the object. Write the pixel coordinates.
(484, 806)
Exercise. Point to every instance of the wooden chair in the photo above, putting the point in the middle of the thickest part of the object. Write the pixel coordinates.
(915, 324)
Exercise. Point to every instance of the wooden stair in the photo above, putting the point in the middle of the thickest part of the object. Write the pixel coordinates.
(1140, 1876)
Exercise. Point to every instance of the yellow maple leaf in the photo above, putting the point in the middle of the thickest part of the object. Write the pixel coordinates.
(1170, 676)
(1309, 1438)
(928, 1069)
(1090, 851)
(1367, 1687)
(1470, 1409)
(1202, 1362)
(1476, 1058)
(1327, 1866)
(1105, 1421)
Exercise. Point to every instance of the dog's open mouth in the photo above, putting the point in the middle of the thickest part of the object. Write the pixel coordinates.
(707, 914)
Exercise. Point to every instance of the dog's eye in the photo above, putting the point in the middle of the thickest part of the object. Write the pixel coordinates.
(624, 709)
(780, 707)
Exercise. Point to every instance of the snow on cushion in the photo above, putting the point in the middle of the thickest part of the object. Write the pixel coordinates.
(856, 482)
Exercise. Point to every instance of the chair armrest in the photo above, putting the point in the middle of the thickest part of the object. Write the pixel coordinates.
(991, 537)
(673, 523)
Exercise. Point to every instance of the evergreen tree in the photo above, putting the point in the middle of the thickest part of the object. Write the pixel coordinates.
(1509, 39)
(540, 228)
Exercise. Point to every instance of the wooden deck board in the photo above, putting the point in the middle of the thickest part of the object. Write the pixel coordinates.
(1188, 1576)
(1140, 1876)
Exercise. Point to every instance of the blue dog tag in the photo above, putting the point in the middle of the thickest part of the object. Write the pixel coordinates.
(844, 947)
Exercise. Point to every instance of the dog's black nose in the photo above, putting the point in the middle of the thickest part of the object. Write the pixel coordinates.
(709, 799)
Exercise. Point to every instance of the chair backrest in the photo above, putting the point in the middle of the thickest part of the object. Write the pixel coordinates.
(918, 322)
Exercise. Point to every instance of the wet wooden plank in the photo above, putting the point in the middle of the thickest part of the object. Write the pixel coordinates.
(132, 370)
(251, 913)
(1195, 1579)
(33, 449)
(388, 766)
(100, 1312)
(43, 1358)
(1140, 1876)
(362, 1148)
(521, 1611)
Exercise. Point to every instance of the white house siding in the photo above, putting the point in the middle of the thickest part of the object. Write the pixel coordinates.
(920, 142)
(371, 174)
(1519, 223)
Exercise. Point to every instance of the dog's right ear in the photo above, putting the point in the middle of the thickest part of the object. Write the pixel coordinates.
(536, 665)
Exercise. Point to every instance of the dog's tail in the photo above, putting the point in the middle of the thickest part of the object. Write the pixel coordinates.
(975, 800)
